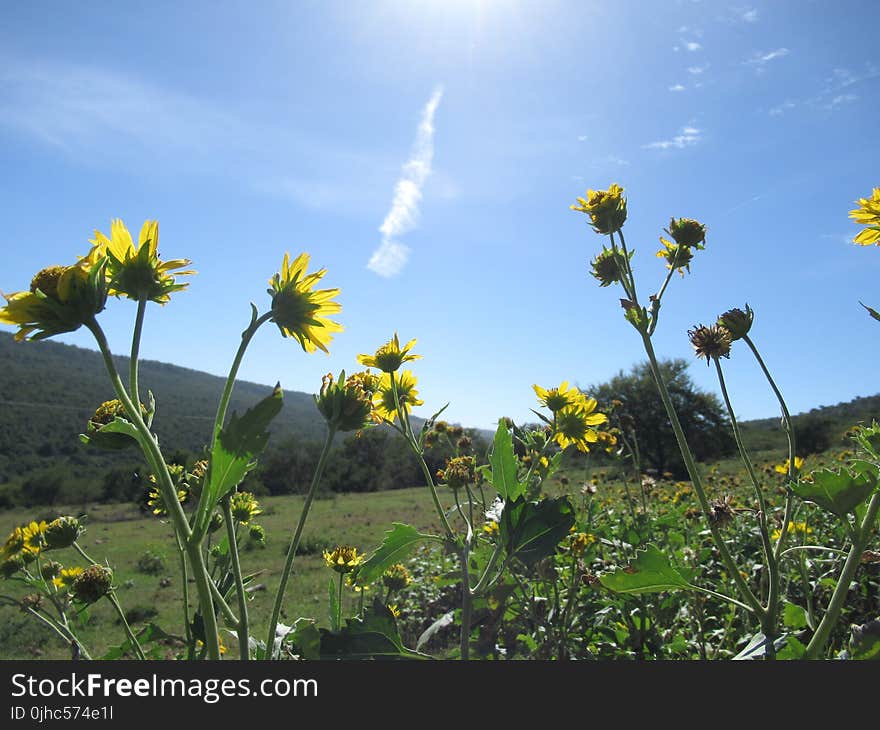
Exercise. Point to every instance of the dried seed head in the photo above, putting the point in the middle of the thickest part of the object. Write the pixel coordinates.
(710, 342)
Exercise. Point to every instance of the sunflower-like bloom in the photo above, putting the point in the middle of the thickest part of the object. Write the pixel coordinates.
(61, 533)
(61, 299)
(244, 506)
(574, 425)
(66, 578)
(794, 528)
(460, 471)
(299, 309)
(606, 208)
(156, 499)
(93, 583)
(137, 272)
(868, 214)
(396, 577)
(710, 342)
(347, 404)
(580, 541)
(558, 398)
(607, 265)
(677, 255)
(390, 356)
(343, 558)
(35, 537)
(383, 401)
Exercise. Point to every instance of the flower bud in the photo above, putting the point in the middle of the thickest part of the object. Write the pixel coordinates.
(687, 232)
(93, 583)
(62, 533)
(737, 322)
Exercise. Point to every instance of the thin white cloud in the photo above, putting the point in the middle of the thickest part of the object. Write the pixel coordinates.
(750, 15)
(391, 256)
(841, 99)
(687, 137)
(582, 138)
(693, 46)
(761, 58)
(697, 70)
(677, 87)
(780, 109)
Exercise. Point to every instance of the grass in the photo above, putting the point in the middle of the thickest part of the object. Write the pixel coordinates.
(122, 534)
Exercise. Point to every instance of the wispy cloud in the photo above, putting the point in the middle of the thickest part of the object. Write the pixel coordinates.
(693, 46)
(677, 87)
(835, 92)
(779, 109)
(391, 256)
(582, 138)
(760, 59)
(687, 137)
(841, 99)
(749, 16)
(697, 70)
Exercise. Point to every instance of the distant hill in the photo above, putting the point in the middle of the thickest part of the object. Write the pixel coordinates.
(49, 390)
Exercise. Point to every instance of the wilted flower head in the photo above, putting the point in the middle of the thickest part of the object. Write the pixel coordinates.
(710, 342)
(390, 356)
(343, 558)
(62, 532)
(31, 602)
(459, 472)
(606, 208)
(608, 264)
(868, 214)
(137, 272)
(244, 506)
(301, 311)
(92, 583)
(721, 511)
(50, 570)
(737, 322)
(687, 232)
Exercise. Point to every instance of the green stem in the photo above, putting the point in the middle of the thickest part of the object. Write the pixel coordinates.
(185, 587)
(135, 348)
(294, 543)
(62, 631)
(232, 537)
(466, 604)
(339, 603)
(484, 578)
(694, 474)
(154, 456)
(129, 633)
(227, 612)
(772, 566)
(816, 647)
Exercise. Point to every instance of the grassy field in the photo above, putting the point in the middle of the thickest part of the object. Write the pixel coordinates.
(122, 534)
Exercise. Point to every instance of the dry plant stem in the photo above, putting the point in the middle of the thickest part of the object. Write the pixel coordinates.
(294, 543)
(178, 517)
(242, 633)
(816, 647)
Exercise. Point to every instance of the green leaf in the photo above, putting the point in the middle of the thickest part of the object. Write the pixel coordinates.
(839, 492)
(793, 649)
(531, 531)
(873, 312)
(238, 445)
(503, 462)
(148, 634)
(306, 639)
(651, 572)
(333, 604)
(116, 435)
(865, 641)
(793, 616)
(373, 636)
(397, 544)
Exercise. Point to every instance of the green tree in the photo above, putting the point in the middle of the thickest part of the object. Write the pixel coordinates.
(701, 414)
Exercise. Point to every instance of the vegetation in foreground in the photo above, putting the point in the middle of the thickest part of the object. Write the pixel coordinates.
(519, 561)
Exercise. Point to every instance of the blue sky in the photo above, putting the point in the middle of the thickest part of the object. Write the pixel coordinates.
(464, 130)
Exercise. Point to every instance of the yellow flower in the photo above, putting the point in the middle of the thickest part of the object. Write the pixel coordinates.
(299, 309)
(244, 506)
(783, 467)
(868, 214)
(60, 299)
(343, 558)
(395, 611)
(137, 272)
(491, 529)
(794, 528)
(396, 577)
(606, 208)
(66, 578)
(34, 537)
(573, 425)
(156, 500)
(581, 541)
(678, 255)
(558, 398)
(383, 401)
(390, 356)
